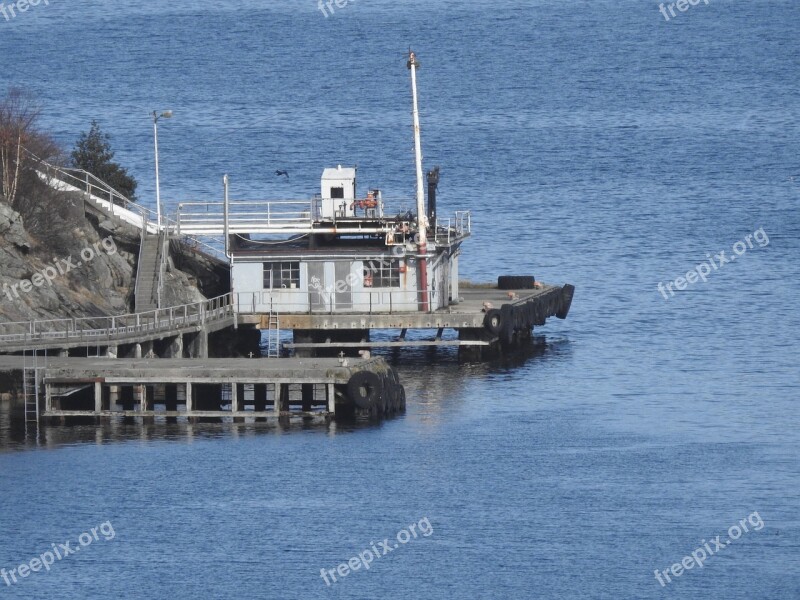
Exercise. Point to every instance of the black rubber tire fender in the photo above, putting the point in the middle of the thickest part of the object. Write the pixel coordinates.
(567, 292)
(529, 315)
(516, 282)
(493, 321)
(391, 398)
(507, 316)
(365, 389)
(396, 398)
(385, 402)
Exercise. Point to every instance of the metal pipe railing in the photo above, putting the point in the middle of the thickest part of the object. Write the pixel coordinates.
(298, 301)
(117, 328)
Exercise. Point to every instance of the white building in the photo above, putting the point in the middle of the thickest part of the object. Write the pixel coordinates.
(342, 254)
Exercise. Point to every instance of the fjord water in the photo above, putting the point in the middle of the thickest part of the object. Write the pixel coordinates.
(597, 144)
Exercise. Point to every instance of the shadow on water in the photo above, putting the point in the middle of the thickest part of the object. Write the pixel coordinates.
(435, 381)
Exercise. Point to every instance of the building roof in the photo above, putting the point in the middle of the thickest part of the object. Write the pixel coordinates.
(339, 172)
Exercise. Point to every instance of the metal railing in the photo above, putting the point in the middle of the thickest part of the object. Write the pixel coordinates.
(453, 228)
(94, 330)
(330, 302)
(99, 192)
(83, 181)
(244, 216)
(269, 216)
(163, 255)
(139, 259)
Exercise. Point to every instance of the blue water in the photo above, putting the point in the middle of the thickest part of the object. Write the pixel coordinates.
(595, 143)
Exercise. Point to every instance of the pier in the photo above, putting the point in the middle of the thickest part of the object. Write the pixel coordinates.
(333, 269)
(239, 389)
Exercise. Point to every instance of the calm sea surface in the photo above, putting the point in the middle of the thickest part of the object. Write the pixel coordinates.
(597, 144)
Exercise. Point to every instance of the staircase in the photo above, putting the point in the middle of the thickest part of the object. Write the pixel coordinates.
(273, 336)
(148, 272)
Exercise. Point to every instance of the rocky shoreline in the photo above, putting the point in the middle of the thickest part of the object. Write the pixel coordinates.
(87, 267)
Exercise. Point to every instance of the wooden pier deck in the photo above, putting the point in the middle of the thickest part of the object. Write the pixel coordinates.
(213, 388)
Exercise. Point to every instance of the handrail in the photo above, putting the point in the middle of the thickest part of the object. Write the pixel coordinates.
(139, 260)
(327, 302)
(163, 255)
(119, 327)
(89, 183)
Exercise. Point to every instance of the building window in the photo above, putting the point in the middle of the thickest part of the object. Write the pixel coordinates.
(382, 273)
(279, 275)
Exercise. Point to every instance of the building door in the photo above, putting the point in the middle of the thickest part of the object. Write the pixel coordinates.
(318, 293)
(342, 286)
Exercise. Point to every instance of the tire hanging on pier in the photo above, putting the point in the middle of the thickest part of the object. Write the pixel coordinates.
(493, 321)
(507, 318)
(566, 301)
(519, 319)
(365, 389)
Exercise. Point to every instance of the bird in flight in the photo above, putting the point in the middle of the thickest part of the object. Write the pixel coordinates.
(280, 172)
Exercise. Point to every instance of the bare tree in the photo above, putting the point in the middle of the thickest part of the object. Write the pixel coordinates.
(22, 148)
(18, 115)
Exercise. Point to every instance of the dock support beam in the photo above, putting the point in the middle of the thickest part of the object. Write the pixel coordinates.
(260, 397)
(197, 346)
(331, 399)
(174, 348)
(237, 400)
(276, 407)
(308, 396)
(98, 397)
(189, 397)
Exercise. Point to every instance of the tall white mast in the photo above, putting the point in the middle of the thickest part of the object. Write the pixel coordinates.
(422, 216)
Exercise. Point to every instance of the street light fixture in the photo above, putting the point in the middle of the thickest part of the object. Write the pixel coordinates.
(167, 114)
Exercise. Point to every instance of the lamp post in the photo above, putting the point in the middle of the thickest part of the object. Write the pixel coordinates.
(167, 114)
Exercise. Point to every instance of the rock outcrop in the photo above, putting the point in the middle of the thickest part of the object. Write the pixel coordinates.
(86, 268)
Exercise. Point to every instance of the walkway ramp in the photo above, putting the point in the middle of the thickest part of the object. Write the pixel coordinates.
(61, 334)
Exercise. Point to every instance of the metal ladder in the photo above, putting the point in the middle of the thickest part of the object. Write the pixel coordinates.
(30, 386)
(273, 336)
